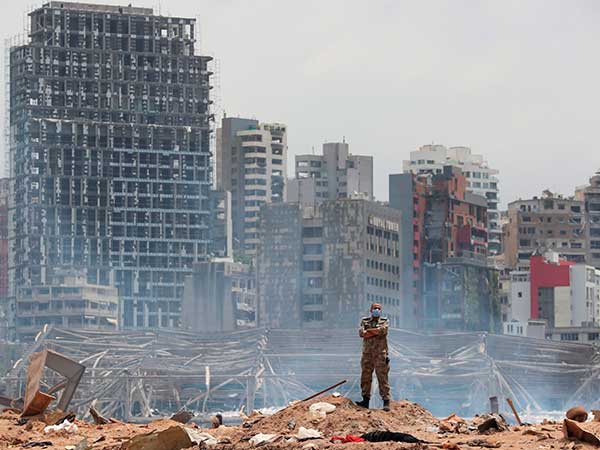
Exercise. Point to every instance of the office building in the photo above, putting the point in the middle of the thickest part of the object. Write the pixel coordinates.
(323, 266)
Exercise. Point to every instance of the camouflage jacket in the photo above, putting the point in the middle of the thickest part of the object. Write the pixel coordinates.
(377, 343)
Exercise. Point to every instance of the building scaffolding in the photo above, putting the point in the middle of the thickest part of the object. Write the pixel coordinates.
(139, 375)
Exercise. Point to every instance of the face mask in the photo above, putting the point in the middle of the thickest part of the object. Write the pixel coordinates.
(376, 312)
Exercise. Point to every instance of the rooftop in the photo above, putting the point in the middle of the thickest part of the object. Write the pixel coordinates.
(91, 7)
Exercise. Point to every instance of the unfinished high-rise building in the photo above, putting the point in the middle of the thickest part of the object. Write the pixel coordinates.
(109, 154)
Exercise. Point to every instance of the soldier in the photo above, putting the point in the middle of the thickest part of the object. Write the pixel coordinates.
(374, 330)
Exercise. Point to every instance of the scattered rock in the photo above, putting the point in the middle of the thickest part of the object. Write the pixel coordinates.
(216, 421)
(572, 430)
(492, 422)
(577, 413)
(483, 443)
(453, 424)
(173, 438)
(38, 444)
(182, 416)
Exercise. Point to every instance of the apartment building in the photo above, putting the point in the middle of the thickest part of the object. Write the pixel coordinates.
(591, 200)
(109, 154)
(547, 223)
(252, 165)
(322, 266)
(335, 174)
(481, 180)
(447, 226)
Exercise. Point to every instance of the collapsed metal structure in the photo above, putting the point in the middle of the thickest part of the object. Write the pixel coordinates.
(136, 375)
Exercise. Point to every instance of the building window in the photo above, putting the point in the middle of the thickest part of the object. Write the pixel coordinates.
(569, 336)
(315, 249)
(312, 266)
(313, 316)
(312, 232)
(314, 282)
(593, 336)
(312, 299)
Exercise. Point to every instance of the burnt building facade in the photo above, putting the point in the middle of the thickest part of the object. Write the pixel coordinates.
(109, 154)
(451, 285)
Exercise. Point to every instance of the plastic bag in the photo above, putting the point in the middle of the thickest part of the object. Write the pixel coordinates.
(67, 426)
(308, 433)
(323, 407)
(261, 438)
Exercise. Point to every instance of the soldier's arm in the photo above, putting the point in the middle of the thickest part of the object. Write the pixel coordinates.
(383, 328)
(361, 330)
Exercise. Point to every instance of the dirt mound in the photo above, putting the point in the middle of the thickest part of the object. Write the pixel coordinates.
(347, 418)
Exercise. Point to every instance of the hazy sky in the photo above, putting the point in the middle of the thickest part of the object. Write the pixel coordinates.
(515, 80)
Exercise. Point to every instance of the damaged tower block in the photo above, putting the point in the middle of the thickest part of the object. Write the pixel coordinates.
(36, 401)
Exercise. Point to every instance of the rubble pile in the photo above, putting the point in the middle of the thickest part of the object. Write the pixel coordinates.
(347, 418)
(327, 422)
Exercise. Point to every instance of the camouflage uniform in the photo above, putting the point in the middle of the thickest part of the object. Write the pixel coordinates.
(375, 357)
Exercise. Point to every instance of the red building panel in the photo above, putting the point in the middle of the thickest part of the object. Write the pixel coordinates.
(546, 274)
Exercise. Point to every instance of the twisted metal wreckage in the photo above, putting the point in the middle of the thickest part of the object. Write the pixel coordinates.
(135, 375)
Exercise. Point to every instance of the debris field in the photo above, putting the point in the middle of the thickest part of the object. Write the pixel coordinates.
(302, 425)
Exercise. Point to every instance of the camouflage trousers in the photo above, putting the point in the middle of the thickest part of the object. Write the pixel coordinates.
(380, 363)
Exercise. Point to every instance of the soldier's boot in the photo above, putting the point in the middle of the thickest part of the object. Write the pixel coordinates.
(386, 405)
(364, 403)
